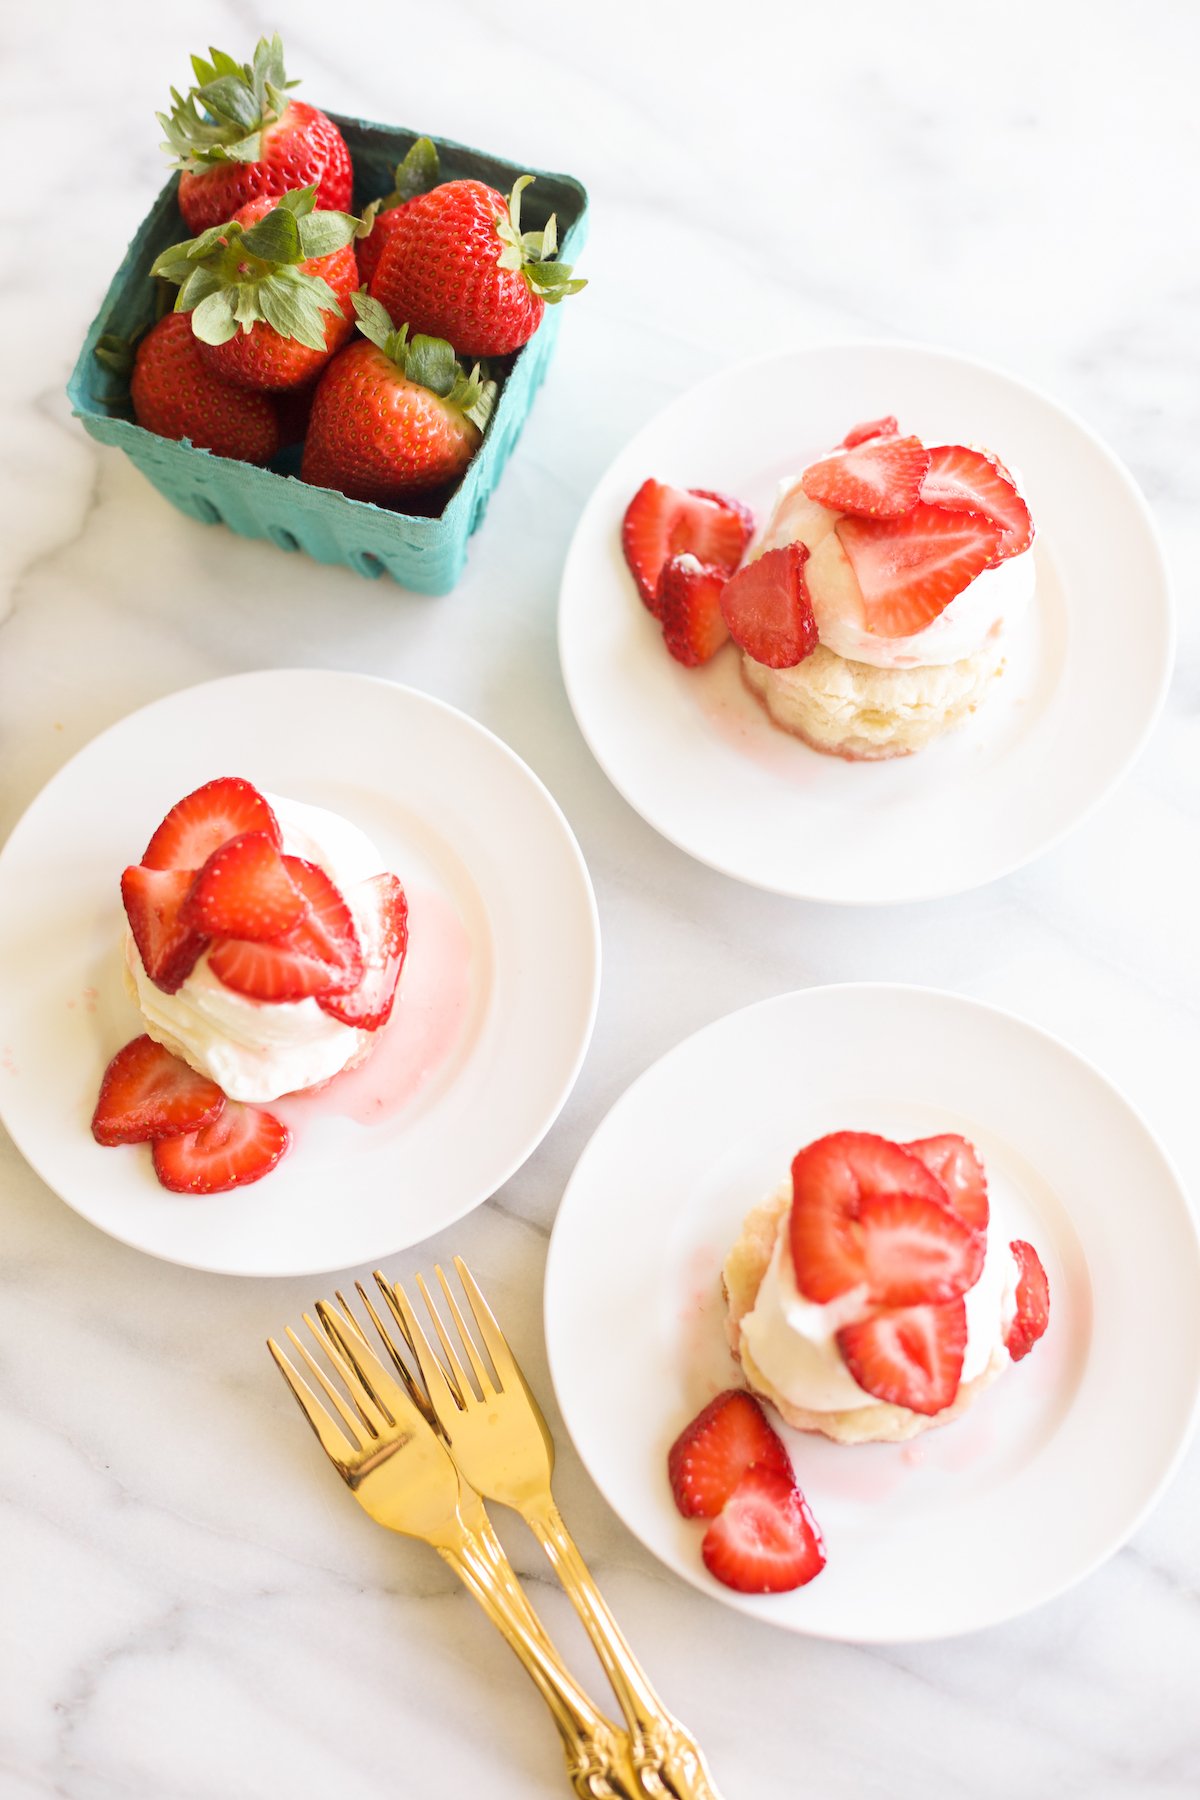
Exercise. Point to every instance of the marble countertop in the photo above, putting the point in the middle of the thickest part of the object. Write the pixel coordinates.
(193, 1610)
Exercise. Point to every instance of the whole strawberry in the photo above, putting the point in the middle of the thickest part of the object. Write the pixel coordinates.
(394, 416)
(268, 292)
(457, 265)
(176, 395)
(237, 135)
(414, 176)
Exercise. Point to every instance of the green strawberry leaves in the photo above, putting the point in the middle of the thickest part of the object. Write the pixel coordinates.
(532, 251)
(233, 277)
(428, 362)
(222, 116)
(419, 171)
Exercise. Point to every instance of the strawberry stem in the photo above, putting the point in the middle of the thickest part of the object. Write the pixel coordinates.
(428, 362)
(533, 252)
(223, 115)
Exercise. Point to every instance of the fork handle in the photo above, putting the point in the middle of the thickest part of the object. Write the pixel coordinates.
(668, 1758)
(599, 1758)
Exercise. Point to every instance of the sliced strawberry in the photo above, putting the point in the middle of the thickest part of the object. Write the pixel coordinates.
(662, 521)
(910, 569)
(909, 1356)
(879, 478)
(830, 1180)
(689, 605)
(320, 955)
(888, 426)
(730, 504)
(916, 1250)
(710, 1456)
(241, 1145)
(155, 905)
(764, 1540)
(148, 1093)
(245, 891)
(962, 480)
(204, 820)
(956, 1165)
(768, 611)
(381, 909)
(1033, 1301)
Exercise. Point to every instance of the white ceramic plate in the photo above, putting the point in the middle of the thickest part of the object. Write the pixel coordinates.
(694, 753)
(1053, 1466)
(496, 1002)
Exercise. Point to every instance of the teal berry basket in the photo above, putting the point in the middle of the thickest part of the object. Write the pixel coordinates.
(425, 552)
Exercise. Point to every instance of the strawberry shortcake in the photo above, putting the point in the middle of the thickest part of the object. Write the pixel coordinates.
(871, 1296)
(263, 948)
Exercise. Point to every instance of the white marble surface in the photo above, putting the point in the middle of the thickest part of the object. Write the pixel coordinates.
(192, 1609)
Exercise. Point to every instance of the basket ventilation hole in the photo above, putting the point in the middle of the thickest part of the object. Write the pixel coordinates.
(286, 540)
(367, 564)
(206, 511)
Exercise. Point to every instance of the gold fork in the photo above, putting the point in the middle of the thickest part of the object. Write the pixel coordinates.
(387, 1452)
(503, 1447)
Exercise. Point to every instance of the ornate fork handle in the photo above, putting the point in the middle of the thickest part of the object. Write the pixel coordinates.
(668, 1759)
(600, 1759)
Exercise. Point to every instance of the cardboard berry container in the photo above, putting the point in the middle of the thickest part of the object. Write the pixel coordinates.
(420, 551)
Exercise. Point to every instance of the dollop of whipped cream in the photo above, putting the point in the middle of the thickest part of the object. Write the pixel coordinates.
(995, 598)
(793, 1340)
(254, 1049)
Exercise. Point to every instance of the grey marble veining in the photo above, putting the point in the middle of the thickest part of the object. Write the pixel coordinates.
(192, 1609)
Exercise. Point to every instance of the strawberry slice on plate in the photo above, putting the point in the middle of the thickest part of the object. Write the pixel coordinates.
(917, 1250)
(909, 569)
(242, 1144)
(963, 480)
(1033, 1301)
(957, 1166)
(831, 1178)
(204, 820)
(764, 1540)
(320, 955)
(689, 605)
(156, 907)
(768, 611)
(662, 521)
(245, 891)
(381, 908)
(148, 1093)
(909, 1356)
(711, 1455)
(888, 426)
(879, 478)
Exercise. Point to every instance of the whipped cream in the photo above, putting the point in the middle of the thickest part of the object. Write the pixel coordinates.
(254, 1049)
(973, 618)
(793, 1340)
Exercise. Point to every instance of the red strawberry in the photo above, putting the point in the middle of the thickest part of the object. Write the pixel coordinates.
(382, 912)
(916, 1250)
(175, 395)
(880, 478)
(767, 608)
(730, 504)
(910, 1356)
(765, 1540)
(320, 955)
(1033, 1301)
(710, 1456)
(241, 1145)
(910, 569)
(414, 176)
(956, 1165)
(962, 480)
(689, 605)
(830, 1179)
(662, 521)
(394, 416)
(888, 426)
(458, 266)
(245, 891)
(148, 1093)
(167, 940)
(237, 135)
(207, 818)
